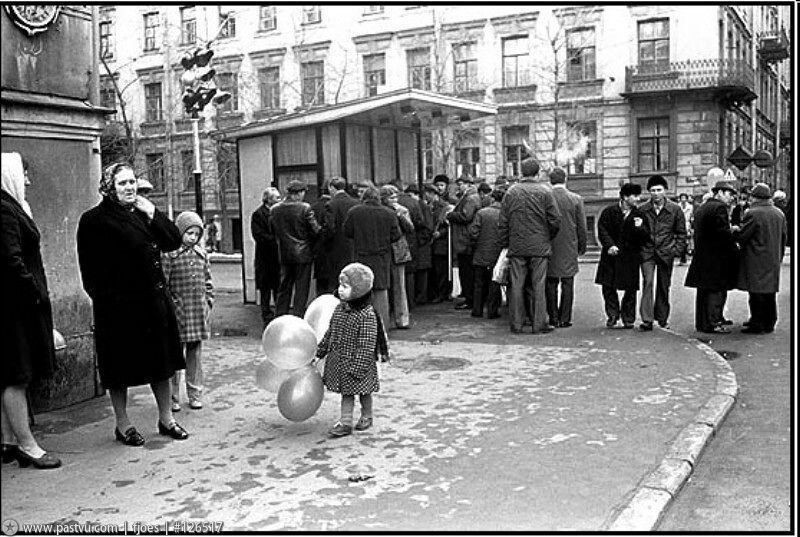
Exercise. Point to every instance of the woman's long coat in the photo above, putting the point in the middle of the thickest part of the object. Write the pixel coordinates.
(373, 229)
(715, 259)
(135, 329)
(267, 264)
(763, 240)
(620, 271)
(27, 319)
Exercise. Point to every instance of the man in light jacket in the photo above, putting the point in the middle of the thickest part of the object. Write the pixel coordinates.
(568, 244)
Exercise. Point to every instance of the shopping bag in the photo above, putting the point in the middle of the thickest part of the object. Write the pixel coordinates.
(500, 272)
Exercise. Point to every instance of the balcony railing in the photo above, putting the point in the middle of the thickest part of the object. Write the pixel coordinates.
(733, 79)
(774, 46)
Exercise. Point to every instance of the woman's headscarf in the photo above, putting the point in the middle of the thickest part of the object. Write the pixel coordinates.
(14, 180)
(107, 180)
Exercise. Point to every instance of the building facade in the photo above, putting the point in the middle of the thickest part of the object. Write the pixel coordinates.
(610, 92)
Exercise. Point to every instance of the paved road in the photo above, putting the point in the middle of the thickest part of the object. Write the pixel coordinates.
(743, 480)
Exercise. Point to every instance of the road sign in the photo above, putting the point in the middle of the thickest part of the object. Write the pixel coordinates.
(762, 158)
(730, 176)
(741, 158)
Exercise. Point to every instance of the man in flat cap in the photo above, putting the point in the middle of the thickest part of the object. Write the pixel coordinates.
(762, 238)
(293, 224)
(713, 268)
(460, 218)
(667, 227)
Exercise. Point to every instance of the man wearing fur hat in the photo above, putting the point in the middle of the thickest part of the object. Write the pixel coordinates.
(762, 238)
(713, 267)
(667, 227)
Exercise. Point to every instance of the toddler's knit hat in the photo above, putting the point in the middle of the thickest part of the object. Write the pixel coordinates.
(359, 277)
(188, 219)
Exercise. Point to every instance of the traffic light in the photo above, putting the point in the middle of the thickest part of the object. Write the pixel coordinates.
(198, 82)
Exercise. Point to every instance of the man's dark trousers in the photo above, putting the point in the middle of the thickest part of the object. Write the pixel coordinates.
(440, 286)
(519, 268)
(708, 305)
(763, 311)
(466, 277)
(559, 313)
(613, 310)
(267, 295)
(297, 276)
(487, 292)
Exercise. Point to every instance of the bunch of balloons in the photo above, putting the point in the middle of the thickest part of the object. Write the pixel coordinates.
(289, 345)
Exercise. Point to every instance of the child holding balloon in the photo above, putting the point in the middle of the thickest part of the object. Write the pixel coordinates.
(188, 274)
(353, 344)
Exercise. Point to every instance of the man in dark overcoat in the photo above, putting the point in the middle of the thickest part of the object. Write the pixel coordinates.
(439, 282)
(568, 244)
(323, 269)
(293, 223)
(622, 230)
(762, 237)
(424, 240)
(373, 228)
(460, 218)
(485, 234)
(713, 267)
(410, 200)
(267, 264)
(339, 248)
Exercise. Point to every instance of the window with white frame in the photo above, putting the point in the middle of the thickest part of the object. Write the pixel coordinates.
(468, 154)
(653, 144)
(313, 82)
(106, 40)
(311, 15)
(374, 73)
(226, 166)
(108, 95)
(154, 163)
(267, 18)
(151, 25)
(188, 25)
(653, 46)
(152, 102)
(227, 22)
(419, 68)
(427, 155)
(465, 67)
(187, 166)
(514, 150)
(580, 55)
(269, 79)
(229, 82)
(582, 140)
(515, 62)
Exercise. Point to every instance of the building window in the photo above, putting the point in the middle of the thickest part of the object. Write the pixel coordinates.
(108, 95)
(313, 80)
(269, 79)
(419, 68)
(427, 155)
(582, 140)
(267, 18)
(187, 165)
(653, 144)
(150, 31)
(188, 26)
(155, 170)
(515, 61)
(514, 149)
(106, 44)
(465, 65)
(373, 10)
(580, 55)
(468, 154)
(312, 15)
(654, 46)
(152, 101)
(227, 23)
(374, 73)
(226, 166)
(229, 82)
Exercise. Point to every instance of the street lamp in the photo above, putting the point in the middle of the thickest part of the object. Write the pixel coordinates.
(199, 91)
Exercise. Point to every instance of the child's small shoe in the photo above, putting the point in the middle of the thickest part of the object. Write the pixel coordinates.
(195, 404)
(176, 407)
(340, 429)
(363, 424)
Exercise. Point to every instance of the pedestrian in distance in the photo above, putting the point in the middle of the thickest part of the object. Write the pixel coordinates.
(667, 226)
(351, 347)
(136, 333)
(529, 220)
(484, 193)
(421, 248)
(401, 256)
(324, 277)
(267, 262)
(439, 284)
(293, 223)
(622, 231)
(688, 214)
(339, 246)
(568, 244)
(409, 198)
(742, 204)
(714, 264)
(485, 234)
(762, 238)
(459, 219)
(187, 271)
(27, 325)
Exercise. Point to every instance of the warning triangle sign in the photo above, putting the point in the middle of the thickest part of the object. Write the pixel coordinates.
(729, 175)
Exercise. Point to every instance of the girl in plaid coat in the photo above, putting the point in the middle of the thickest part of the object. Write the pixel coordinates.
(351, 347)
(188, 274)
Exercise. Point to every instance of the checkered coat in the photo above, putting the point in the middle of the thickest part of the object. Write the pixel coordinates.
(349, 349)
(188, 274)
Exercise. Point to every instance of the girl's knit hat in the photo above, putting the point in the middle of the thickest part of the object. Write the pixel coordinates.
(188, 219)
(359, 277)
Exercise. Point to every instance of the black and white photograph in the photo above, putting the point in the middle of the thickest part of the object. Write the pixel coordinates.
(391, 268)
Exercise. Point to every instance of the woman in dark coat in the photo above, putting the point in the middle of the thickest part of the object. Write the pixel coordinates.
(136, 333)
(27, 325)
(267, 265)
(622, 231)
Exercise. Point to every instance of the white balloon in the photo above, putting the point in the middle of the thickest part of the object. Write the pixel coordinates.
(270, 377)
(289, 342)
(319, 313)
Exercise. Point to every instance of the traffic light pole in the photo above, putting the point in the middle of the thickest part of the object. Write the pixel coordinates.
(198, 190)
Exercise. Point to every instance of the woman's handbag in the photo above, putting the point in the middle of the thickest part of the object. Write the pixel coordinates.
(400, 251)
(500, 272)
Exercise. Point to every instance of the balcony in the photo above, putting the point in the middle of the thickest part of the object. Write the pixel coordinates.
(731, 81)
(773, 46)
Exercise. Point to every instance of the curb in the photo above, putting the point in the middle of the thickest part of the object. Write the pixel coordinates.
(643, 508)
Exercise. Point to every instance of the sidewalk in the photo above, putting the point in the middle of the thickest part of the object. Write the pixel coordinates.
(477, 429)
